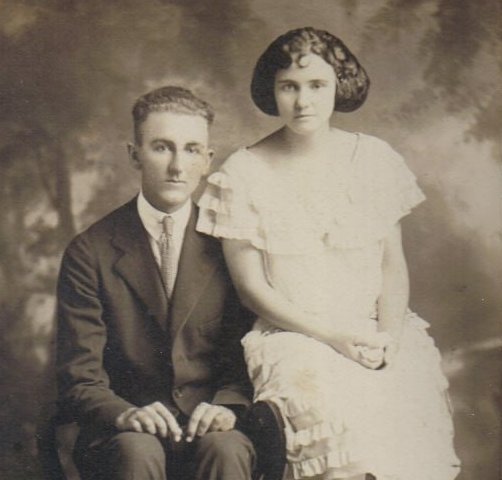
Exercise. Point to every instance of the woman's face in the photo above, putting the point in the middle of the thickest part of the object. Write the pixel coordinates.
(305, 94)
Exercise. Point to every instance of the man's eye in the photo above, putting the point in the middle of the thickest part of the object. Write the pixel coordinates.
(194, 150)
(161, 148)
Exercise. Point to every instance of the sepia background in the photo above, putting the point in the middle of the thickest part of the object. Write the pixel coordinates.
(70, 71)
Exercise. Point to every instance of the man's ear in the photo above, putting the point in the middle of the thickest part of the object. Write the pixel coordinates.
(209, 161)
(133, 155)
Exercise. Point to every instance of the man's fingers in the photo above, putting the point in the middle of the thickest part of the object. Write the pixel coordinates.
(155, 419)
(223, 421)
(207, 420)
(193, 424)
(146, 420)
(171, 423)
(123, 420)
(135, 426)
(211, 418)
(159, 421)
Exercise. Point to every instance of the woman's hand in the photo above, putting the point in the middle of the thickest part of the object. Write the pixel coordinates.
(391, 350)
(366, 349)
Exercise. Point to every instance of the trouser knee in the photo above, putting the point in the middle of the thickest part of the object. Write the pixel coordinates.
(224, 455)
(125, 456)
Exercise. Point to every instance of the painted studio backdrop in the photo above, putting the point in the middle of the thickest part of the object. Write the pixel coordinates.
(70, 71)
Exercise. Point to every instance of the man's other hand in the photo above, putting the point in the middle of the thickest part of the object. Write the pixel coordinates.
(155, 419)
(210, 418)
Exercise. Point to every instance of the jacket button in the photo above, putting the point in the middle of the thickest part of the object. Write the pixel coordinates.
(177, 393)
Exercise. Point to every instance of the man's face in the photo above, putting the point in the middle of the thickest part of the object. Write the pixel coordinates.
(173, 156)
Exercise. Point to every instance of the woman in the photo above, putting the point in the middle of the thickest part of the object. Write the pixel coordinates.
(309, 218)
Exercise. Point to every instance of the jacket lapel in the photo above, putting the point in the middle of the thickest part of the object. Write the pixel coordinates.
(136, 264)
(195, 269)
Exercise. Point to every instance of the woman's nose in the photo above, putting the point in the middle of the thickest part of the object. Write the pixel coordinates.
(302, 98)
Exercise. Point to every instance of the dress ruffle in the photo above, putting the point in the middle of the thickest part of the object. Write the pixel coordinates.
(242, 202)
(331, 430)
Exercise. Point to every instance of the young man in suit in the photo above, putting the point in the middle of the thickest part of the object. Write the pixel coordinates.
(149, 357)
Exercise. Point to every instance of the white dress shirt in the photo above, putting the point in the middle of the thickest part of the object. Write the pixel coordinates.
(152, 221)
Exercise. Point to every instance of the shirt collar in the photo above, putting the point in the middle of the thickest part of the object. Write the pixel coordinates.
(152, 218)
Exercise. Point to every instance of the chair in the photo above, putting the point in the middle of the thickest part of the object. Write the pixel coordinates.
(263, 424)
(50, 446)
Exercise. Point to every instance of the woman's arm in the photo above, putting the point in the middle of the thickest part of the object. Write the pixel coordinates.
(246, 268)
(393, 300)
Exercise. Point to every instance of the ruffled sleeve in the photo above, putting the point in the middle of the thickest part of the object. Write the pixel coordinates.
(381, 191)
(357, 205)
(226, 209)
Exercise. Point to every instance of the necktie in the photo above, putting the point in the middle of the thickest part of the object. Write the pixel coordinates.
(167, 255)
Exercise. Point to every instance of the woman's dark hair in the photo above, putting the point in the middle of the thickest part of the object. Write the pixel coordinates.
(352, 81)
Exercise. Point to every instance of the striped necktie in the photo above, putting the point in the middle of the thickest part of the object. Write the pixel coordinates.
(167, 255)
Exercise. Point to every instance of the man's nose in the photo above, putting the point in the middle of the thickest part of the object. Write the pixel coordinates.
(175, 165)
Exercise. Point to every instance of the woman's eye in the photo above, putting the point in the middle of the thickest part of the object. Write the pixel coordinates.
(288, 87)
(160, 148)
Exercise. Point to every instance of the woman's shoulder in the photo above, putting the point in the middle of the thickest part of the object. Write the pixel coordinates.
(249, 162)
(242, 158)
(376, 148)
(378, 162)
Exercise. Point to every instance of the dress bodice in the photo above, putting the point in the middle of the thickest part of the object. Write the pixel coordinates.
(320, 232)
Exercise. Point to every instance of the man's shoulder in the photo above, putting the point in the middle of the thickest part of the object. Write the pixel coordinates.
(104, 228)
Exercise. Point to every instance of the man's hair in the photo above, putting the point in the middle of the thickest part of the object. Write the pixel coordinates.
(169, 99)
(352, 82)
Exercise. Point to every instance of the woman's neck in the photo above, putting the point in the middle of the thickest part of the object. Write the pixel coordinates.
(298, 145)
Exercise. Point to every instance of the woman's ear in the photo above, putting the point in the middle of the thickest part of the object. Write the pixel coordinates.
(133, 156)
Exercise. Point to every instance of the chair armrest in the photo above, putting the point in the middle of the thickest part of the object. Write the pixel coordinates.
(48, 446)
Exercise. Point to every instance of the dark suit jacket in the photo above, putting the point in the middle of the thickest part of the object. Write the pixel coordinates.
(118, 347)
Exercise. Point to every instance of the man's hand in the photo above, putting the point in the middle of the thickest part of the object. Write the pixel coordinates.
(154, 418)
(209, 418)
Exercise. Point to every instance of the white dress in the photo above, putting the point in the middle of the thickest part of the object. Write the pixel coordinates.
(321, 236)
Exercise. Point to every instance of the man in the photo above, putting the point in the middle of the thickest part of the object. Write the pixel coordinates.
(149, 358)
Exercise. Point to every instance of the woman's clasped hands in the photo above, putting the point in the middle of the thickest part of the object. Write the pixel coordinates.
(373, 350)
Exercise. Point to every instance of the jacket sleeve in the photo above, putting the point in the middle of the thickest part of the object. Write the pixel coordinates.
(83, 385)
(234, 386)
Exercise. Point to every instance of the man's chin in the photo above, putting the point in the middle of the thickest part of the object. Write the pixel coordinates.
(172, 202)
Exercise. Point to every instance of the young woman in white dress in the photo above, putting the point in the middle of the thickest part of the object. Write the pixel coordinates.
(309, 218)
